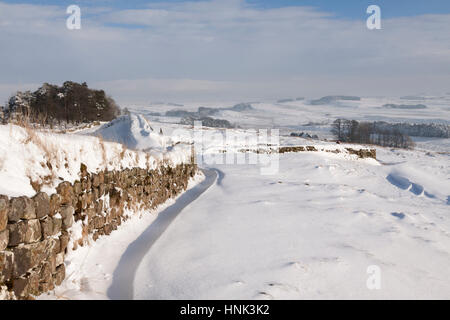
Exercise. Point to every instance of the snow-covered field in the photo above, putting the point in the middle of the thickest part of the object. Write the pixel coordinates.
(311, 230)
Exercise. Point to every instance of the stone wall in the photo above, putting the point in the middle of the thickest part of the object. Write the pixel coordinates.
(35, 232)
(361, 153)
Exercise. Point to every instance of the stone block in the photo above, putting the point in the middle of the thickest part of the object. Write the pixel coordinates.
(4, 209)
(6, 265)
(21, 208)
(4, 239)
(41, 205)
(67, 212)
(47, 227)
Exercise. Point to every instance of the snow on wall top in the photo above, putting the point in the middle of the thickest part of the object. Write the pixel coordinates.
(45, 159)
(135, 132)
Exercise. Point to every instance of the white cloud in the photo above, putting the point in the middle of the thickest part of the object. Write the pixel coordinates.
(232, 49)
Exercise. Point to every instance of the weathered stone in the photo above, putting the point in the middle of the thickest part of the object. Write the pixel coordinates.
(77, 187)
(83, 170)
(108, 218)
(57, 224)
(98, 222)
(65, 190)
(6, 265)
(67, 213)
(90, 213)
(107, 229)
(55, 203)
(101, 177)
(89, 198)
(47, 227)
(21, 208)
(99, 206)
(83, 199)
(21, 287)
(46, 286)
(45, 273)
(17, 233)
(113, 213)
(59, 259)
(41, 205)
(64, 241)
(29, 256)
(4, 208)
(88, 184)
(109, 177)
(114, 224)
(95, 193)
(59, 275)
(4, 239)
(33, 232)
(95, 180)
(33, 283)
(57, 246)
(52, 262)
(114, 197)
(101, 189)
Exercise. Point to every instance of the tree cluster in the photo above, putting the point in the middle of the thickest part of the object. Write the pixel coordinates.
(370, 133)
(70, 103)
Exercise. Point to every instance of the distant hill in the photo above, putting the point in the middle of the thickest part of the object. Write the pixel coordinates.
(404, 106)
(72, 103)
(207, 111)
(330, 99)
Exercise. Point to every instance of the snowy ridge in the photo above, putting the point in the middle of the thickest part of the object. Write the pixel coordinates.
(134, 131)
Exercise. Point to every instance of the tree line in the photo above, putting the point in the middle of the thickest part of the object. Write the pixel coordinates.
(71, 103)
(370, 133)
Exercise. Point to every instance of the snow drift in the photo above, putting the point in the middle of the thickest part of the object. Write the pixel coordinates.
(135, 132)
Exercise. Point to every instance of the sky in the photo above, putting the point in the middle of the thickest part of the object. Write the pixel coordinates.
(227, 50)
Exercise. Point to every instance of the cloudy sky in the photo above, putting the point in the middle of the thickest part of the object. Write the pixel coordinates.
(230, 50)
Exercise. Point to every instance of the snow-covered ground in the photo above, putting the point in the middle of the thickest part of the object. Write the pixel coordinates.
(90, 269)
(310, 230)
(313, 229)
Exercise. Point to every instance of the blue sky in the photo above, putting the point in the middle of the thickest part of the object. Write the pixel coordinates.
(354, 9)
(227, 49)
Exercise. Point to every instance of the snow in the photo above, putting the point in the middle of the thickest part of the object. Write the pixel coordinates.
(89, 269)
(312, 230)
(134, 131)
(27, 155)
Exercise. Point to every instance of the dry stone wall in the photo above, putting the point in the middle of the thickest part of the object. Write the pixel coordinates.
(35, 232)
(361, 153)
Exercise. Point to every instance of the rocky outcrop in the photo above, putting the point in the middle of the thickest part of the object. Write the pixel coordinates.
(35, 232)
